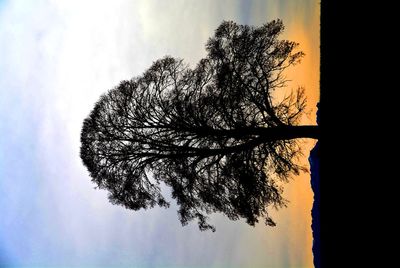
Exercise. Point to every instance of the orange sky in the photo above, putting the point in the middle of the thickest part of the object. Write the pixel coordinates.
(77, 51)
(298, 191)
(289, 244)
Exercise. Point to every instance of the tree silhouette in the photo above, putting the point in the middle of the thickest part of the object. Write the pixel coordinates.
(214, 134)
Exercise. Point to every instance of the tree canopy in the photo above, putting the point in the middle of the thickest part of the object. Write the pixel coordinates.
(214, 133)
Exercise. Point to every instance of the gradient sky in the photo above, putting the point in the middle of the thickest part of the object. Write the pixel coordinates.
(56, 59)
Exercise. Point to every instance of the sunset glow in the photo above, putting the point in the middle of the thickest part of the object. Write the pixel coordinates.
(56, 59)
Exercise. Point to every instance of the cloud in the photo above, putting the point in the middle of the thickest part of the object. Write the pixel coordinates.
(58, 57)
(182, 28)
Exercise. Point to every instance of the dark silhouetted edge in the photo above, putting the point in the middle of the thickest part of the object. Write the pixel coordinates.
(315, 211)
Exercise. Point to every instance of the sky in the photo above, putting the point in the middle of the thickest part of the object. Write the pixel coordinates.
(56, 59)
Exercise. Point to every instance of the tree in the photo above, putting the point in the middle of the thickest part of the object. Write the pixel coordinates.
(214, 134)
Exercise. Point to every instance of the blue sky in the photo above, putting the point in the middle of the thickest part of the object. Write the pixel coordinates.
(56, 59)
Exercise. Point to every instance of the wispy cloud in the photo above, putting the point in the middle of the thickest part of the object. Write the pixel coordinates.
(57, 58)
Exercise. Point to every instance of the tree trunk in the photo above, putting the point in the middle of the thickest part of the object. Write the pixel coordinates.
(289, 132)
(267, 134)
(295, 132)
